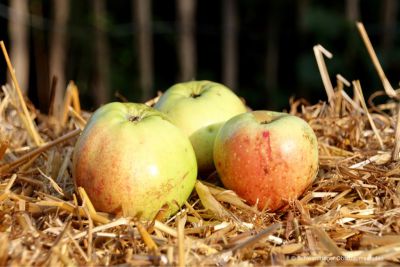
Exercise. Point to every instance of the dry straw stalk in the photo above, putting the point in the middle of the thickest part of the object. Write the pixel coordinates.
(349, 216)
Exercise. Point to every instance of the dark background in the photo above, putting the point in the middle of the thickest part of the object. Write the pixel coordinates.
(296, 27)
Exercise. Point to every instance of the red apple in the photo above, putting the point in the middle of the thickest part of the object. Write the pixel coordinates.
(130, 158)
(268, 158)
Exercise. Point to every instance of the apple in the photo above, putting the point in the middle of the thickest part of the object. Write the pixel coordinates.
(200, 108)
(130, 158)
(268, 158)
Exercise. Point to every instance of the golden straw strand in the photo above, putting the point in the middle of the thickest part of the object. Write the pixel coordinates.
(319, 53)
(386, 85)
(27, 121)
(29, 155)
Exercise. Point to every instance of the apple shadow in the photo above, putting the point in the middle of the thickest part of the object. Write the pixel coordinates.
(203, 144)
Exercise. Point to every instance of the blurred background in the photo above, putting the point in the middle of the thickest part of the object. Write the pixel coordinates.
(129, 50)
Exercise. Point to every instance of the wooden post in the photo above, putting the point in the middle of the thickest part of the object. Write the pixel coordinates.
(186, 10)
(19, 42)
(353, 10)
(58, 52)
(272, 54)
(302, 9)
(142, 18)
(41, 56)
(389, 19)
(100, 88)
(230, 44)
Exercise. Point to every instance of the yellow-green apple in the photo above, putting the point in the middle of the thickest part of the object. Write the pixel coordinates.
(268, 158)
(130, 158)
(199, 108)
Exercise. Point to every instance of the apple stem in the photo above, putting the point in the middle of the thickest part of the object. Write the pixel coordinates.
(270, 120)
(134, 118)
(194, 95)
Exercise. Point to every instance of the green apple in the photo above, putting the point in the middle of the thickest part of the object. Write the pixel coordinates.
(268, 158)
(130, 158)
(200, 108)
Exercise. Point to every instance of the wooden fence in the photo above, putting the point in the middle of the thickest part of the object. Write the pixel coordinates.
(53, 72)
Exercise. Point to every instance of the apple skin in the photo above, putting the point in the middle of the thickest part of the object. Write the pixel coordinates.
(130, 158)
(268, 158)
(200, 108)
